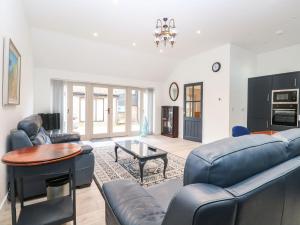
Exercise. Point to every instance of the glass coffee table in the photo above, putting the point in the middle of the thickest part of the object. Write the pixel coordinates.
(143, 152)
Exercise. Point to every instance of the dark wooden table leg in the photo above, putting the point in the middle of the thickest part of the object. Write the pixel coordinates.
(73, 171)
(142, 164)
(116, 152)
(165, 159)
(12, 195)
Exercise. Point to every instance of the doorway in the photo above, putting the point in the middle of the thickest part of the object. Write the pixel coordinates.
(193, 110)
(101, 111)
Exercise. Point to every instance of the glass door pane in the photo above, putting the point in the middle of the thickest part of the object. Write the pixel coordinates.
(119, 110)
(79, 109)
(100, 110)
(135, 110)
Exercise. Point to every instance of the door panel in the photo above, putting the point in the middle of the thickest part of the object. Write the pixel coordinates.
(100, 124)
(119, 111)
(193, 94)
(136, 112)
(79, 109)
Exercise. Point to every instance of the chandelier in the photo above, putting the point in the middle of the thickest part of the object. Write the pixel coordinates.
(165, 31)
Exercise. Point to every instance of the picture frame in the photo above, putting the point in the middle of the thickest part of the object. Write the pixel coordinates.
(11, 79)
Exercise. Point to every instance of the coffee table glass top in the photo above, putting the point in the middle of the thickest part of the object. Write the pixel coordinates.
(140, 149)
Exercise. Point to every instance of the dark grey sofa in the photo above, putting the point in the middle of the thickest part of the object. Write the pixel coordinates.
(249, 180)
(30, 132)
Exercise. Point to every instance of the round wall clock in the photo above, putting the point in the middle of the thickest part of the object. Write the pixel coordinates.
(216, 67)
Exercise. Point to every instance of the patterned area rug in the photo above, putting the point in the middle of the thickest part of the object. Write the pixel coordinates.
(106, 169)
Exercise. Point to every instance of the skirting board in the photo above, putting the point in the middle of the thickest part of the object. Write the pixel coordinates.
(3, 201)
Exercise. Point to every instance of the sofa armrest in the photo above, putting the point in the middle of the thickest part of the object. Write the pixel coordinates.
(86, 149)
(203, 204)
(18, 139)
(63, 138)
(131, 204)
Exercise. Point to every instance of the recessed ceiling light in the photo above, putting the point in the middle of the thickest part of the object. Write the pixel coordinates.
(198, 32)
(279, 32)
(116, 2)
(133, 44)
(95, 34)
(161, 51)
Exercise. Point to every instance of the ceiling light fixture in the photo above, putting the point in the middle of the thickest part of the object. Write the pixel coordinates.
(133, 44)
(161, 51)
(165, 31)
(198, 32)
(95, 34)
(279, 32)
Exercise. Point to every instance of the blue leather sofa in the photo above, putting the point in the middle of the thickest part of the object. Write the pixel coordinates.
(248, 180)
(30, 132)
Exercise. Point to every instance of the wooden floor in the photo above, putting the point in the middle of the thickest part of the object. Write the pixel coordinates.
(90, 204)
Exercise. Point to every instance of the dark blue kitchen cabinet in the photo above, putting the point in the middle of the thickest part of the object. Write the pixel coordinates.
(259, 103)
(285, 81)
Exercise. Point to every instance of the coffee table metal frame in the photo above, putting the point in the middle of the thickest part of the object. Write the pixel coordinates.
(143, 159)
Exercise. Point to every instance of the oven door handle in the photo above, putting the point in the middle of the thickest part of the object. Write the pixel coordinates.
(284, 109)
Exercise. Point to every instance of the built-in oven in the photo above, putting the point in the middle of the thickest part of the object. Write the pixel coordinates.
(285, 105)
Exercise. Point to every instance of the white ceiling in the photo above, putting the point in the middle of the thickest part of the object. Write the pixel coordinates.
(251, 24)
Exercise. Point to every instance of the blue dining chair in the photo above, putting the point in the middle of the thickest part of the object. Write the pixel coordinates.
(239, 131)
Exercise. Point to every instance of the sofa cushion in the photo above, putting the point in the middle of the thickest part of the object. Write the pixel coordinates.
(41, 138)
(231, 160)
(131, 203)
(30, 125)
(164, 192)
(292, 139)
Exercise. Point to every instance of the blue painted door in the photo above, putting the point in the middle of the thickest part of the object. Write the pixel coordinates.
(193, 111)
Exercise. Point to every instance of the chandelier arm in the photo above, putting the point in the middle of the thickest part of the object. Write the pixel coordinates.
(172, 23)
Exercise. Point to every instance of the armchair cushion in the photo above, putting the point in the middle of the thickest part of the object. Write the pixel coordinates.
(30, 125)
(131, 204)
(41, 138)
(62, 138)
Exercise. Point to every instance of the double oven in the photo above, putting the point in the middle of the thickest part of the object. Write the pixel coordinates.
(285, 107)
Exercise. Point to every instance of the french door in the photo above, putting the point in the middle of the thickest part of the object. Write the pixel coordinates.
(193, 99)
(99, 111)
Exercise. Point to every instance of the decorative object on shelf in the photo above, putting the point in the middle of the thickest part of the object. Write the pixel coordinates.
(11, 73)
(216, 67)
(173, 91)
(169, 121)
(165, 31)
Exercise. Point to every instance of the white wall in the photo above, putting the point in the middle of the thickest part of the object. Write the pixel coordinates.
(13, 24)
(279, 61)
(242, 66)
(215, 87)
(43, 89)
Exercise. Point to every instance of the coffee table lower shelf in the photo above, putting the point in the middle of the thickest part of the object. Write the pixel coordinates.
(55, 211)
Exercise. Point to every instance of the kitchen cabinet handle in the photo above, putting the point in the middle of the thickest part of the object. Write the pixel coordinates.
(267, 124)
(268, 97)
(295, 82)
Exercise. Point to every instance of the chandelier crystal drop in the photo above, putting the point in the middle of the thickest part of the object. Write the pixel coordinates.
(165, 32)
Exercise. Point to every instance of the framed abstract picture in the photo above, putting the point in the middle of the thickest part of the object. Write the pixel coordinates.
(11, 73)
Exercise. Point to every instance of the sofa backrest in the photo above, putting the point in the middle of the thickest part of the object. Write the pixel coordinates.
(292, 139)
(250, 180)
(31, 125)
(231, 160)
